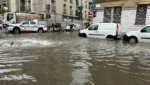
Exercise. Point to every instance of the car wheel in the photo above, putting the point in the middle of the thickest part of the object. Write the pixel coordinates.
(40, 31)
(84, 35)
(133, 40)
(16, 31)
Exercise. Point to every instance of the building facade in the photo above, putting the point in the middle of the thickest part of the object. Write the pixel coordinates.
(4, 3)
(61, 10)
(131, 14)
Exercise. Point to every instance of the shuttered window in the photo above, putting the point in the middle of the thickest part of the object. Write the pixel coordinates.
(112, 14)
(141, 14)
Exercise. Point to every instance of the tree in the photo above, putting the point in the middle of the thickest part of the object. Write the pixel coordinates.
(2, 11)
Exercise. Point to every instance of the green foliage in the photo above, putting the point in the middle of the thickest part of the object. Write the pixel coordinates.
(2, 11)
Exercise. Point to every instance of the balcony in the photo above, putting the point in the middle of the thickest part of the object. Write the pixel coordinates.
(71, 12)
(65, 11)
(54, 9)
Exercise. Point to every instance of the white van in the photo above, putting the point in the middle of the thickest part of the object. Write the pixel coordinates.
(141, 35)
(102, 30)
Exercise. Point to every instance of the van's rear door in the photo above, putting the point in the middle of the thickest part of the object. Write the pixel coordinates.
(118, 31)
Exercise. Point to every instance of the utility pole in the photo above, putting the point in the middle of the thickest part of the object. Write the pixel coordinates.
(48, 12)
(92, 11)
(80, 15)
(2, 7)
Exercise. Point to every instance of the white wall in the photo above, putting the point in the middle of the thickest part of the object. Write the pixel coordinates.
(148, 16)
(99, 17)
(127, 19)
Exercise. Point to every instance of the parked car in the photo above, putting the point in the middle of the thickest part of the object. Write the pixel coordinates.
(27, 26)
(102, 30)
(75, 27)
(141, 35)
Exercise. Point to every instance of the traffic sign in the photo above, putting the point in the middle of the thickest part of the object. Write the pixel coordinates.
(93, 6)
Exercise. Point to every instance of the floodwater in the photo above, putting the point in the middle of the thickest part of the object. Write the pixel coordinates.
(66, 59)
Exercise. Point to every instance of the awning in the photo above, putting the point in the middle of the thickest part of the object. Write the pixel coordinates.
(113, 5)
(144, 2)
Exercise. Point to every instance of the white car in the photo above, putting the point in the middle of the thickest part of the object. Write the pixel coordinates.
(75, 27)
(27, 26)
(141, 35)
(102, 30)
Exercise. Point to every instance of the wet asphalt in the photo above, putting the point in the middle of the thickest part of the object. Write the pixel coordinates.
(63, 58)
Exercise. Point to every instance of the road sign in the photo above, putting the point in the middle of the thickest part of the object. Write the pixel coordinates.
(93, 6)
(98, 5)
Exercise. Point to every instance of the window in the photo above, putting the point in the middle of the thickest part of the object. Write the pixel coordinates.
(77, 2)
(146, 30)
(107, 15)
(25, 23)
(10, 16)
(141, 14)
(112, 14)
(93, 27)
(32, 23)
(117, 15)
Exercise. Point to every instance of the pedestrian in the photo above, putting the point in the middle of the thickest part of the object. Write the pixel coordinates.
(71, 27)
(53, 26)
(56, 26)
(87, 25)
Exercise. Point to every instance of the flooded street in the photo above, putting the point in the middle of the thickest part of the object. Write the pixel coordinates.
(66, 59)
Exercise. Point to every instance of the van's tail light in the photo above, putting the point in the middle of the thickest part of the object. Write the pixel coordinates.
(117, 29)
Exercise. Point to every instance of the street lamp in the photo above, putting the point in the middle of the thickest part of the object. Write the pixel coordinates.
(80, 13)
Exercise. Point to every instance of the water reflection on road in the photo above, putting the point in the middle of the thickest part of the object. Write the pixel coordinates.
(66, 59)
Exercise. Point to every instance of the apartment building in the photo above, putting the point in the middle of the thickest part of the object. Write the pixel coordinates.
(131, 14)
(16, 5)
(4, 3)
(61, 10)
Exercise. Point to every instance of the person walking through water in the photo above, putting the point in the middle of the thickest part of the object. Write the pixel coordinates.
(53, 26)
(88, 24)
(71, 27)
